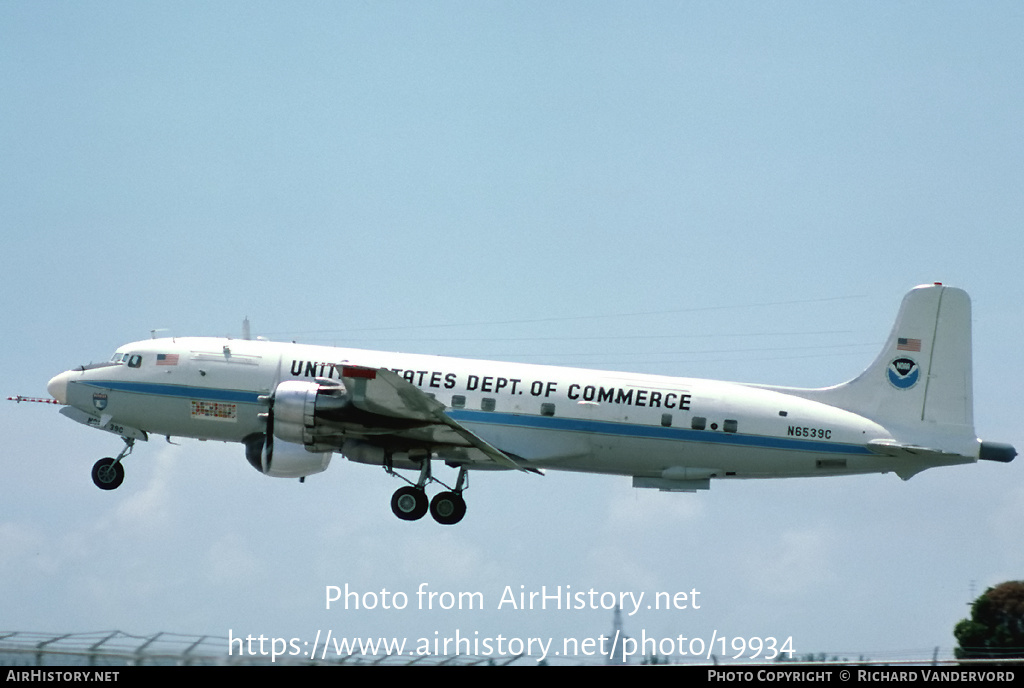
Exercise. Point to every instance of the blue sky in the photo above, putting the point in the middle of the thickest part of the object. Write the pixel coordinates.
(727, 190)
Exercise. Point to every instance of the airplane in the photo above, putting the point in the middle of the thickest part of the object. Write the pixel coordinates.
(292, 406)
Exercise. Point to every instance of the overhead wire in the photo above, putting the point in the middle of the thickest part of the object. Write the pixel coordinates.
(342, 337)
(567, 318)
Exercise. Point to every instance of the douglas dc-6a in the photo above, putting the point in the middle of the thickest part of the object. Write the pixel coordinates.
(293, 405)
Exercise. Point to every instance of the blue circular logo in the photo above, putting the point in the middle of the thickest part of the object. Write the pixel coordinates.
(903, 373)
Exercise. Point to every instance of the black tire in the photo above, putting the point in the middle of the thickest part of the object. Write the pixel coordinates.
(107, 474)
(447, 508)
(409, 503)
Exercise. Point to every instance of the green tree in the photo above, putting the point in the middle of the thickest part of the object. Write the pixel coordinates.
(996, 627)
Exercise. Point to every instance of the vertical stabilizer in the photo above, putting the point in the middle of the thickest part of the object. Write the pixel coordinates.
(920, 384)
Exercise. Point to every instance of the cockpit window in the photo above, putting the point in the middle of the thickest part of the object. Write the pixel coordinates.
(134, 360)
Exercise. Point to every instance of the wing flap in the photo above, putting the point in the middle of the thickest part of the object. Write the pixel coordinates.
(384, 392)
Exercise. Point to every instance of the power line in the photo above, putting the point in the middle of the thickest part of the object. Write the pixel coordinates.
(524, 321)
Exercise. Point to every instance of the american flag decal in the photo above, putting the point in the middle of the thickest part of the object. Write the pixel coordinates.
(167, 359)
(904, 344)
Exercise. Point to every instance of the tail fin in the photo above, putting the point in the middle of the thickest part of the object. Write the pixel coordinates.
(920, 386)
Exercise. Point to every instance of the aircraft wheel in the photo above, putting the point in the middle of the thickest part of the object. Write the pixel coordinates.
(409, 503)
(447, 508)
(107, 474)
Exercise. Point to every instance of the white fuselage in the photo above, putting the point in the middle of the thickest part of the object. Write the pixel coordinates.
(665, 432)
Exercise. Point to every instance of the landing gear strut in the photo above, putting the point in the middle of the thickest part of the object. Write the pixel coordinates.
(108, 473)
(409, 502)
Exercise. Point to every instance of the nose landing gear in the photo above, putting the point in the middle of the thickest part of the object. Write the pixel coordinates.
(108, 473)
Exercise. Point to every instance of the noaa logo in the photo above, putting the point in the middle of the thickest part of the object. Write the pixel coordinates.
(99, 401)
(903, 373)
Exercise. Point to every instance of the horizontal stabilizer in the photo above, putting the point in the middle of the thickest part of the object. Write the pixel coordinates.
(893, 448)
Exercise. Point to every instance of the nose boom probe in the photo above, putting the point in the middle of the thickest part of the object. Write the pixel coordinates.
(37, 400)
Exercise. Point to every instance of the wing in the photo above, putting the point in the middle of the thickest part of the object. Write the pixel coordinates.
(382, 392)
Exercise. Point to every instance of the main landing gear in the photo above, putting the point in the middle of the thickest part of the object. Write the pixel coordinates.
(108, 474)
(409, 502)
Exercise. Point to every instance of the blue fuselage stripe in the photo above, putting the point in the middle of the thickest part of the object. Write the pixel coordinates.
(523, 421)
(653, 432)
(182, 391)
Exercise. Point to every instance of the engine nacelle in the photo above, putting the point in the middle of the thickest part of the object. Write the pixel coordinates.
(280, 459)
(307, 420)
(300, 409)
(296, 444)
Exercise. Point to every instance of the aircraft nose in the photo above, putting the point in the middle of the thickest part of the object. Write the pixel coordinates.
(58, 387)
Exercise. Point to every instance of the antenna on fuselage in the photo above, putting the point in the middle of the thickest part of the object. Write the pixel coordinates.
(246, 334)
(152, 333)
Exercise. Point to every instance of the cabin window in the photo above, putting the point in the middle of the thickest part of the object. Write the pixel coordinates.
(487, 404)
(547, 409)
(666, 420)
(730, 425)
(698, 422)
(458, 401)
